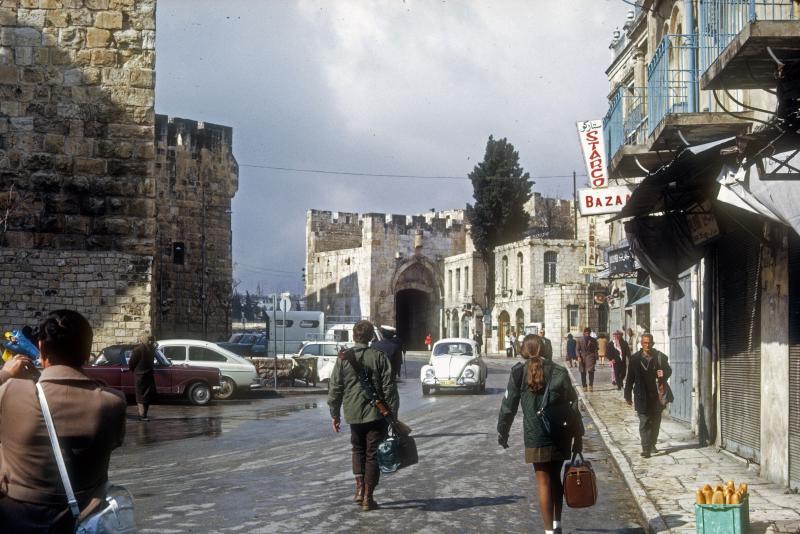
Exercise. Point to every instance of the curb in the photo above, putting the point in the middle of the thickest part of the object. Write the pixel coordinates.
(652, 518)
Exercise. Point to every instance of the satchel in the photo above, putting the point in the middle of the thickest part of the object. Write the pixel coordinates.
(665, 395)
(116, 517)
(561, 422)
(397, 451)
(580, 483)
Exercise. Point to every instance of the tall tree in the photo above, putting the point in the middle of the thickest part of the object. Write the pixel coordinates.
(248, 308)
(501, 188)
(236, 306)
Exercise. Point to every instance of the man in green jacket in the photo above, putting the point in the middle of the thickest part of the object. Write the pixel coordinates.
(367, 426)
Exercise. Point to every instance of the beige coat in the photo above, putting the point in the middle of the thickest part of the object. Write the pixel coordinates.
(89, 421)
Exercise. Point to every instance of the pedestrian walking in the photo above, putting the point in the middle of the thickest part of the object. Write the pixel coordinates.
(392, 347)
(528, 384)
(602, 344)
(357, 369)
(586, 350)
(141, 364)
(624, 350)
(572, 355)
(548, 346)
(478, 339)
(428, 341)
(509, 345)
(646, 369)
(89, 420)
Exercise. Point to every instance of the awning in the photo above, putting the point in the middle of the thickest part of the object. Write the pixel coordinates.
(733, 191)
(688, 179)
(636, 294)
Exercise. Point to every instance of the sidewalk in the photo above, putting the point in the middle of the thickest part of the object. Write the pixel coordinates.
(664, 485)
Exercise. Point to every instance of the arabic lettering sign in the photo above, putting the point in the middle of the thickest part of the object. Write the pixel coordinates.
(594, 152)
(608, 200)
(621, 260)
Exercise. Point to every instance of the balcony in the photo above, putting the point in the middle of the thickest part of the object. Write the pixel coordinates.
(738, 38)
(672, 99)
(625, 130)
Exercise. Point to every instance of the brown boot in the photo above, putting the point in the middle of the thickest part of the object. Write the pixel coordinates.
(368, 503)
(359, 489)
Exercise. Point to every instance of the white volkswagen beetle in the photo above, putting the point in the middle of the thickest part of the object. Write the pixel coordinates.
(454, 363)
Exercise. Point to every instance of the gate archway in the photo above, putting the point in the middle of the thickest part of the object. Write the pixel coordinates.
(417, 299)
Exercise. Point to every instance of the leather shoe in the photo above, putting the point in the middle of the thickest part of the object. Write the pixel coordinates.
(645, 454)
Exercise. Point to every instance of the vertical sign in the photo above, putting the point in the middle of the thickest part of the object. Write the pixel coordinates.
(594, 151)
(591, 244)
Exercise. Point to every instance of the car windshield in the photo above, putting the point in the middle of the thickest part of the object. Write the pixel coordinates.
(235, 338)
(449, 349)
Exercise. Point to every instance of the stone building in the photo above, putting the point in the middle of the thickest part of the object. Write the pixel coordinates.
(523, 270)
(78, 186)
(464, 294)
(196, 178)
(385, 267)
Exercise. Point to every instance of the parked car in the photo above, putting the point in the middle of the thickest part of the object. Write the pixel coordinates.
(238, 374)
(241, 343)
(454, 363)
(197, 384)
(326, 353)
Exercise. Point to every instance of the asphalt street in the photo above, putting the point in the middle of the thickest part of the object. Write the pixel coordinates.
(274, 465)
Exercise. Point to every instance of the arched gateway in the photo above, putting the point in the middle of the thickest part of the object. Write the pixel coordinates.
(417, 298)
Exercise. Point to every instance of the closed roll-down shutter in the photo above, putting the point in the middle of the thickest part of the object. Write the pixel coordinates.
(794, 362)
(738, 261)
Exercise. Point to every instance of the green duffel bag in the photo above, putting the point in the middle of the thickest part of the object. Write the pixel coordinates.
(397, 451)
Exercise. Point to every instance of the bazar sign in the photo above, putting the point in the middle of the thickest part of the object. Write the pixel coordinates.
(594, 150)
(600, 201)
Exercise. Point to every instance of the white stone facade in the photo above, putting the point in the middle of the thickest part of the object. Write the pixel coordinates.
(464, 295)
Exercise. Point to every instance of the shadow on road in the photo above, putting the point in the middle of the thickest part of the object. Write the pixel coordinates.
(450, 435)
(451, 504)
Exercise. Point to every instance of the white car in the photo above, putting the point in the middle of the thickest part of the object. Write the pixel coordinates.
(454, 363)
(238, 374)
(326, 352)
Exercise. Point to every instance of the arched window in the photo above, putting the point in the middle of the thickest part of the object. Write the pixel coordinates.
(519, 270)
(504, 273)
(520, 317)
(550, 261)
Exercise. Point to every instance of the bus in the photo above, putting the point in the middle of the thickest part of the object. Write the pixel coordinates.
(287, 331)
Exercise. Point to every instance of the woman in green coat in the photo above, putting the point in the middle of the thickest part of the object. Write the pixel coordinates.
(527, 385)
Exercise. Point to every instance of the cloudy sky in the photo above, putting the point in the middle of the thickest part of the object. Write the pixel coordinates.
(387, 87)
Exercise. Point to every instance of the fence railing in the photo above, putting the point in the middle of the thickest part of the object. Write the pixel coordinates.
(671, 79)
(720, 21)
(626, 120)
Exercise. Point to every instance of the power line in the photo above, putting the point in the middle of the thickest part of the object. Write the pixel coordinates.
(384, 175)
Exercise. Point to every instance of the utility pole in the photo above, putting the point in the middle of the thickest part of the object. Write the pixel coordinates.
(575, 204)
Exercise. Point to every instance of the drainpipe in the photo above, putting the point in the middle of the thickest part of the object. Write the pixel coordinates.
(688, 8)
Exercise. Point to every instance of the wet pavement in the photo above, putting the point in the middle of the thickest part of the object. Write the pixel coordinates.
(266, 464)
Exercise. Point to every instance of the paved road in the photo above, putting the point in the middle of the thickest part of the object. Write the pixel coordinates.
(274, 465)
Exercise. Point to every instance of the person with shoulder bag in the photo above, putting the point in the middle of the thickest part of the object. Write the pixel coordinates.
(88, 419)
(551, 422)
(368, 426)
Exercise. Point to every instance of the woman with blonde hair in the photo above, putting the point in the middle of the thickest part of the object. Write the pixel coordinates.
(537, 383)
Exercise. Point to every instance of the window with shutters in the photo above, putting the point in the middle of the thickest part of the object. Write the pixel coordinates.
(550, 262)
(504, 273)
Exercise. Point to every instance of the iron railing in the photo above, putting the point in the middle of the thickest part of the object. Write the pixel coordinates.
(671, 79)
(626, 120)
(721, 20)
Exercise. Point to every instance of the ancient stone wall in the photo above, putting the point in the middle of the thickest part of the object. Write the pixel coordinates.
(552, 218)
(111, 289)
(77, 207)
(196, 178)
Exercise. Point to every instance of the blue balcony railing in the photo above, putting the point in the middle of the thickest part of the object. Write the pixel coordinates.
(626, 120)
(720, 21)
(671, 79)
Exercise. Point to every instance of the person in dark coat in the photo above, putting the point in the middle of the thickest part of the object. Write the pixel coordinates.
(547, 348)
(527, 385)
(572, 353)
(392, 347)
(586, 347)
(646, 369)
(141, 364)
(621, 347)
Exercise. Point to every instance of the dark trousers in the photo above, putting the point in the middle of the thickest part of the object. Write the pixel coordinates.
(583, 378)
(649, 425)
(29, 518)
(365, 438)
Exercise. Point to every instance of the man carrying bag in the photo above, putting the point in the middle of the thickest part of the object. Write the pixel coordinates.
(368, 426)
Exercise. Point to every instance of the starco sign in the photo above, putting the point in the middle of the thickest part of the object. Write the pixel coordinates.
(593, 145)
(600, 201)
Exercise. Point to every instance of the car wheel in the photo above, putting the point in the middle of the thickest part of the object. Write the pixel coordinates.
(426, 390)
(199, 393)
(227, 388)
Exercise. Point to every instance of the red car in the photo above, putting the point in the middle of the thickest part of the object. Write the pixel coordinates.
(196, 384)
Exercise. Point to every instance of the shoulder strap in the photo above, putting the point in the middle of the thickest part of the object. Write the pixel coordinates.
(62, 468)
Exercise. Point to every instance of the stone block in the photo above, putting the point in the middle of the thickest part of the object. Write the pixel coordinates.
(92, 76)
(115, 76)
(27, 37)
(21, 124)
(32, 75)
(129, 39)
(97, 38)
(57, 18)
(143, 78)
(50, 4)
(111, 20)
(8, 75)
(104, 58)
(7, 17)
(73, 77)
(29, 4)
(80, 17)
(33, 18)
(90, 165)
(41, 56)
(149, 40)
(54, 143)
(97, 5)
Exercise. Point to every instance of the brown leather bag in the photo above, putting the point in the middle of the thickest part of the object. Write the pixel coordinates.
(580, 483)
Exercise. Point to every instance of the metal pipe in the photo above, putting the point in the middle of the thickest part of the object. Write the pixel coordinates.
(691, 95)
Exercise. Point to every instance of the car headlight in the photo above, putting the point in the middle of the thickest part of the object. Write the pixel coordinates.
(429, 373)
(469, 373)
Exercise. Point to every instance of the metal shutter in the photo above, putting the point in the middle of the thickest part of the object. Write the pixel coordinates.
(680, 352)
(739, 255)
(794, 361)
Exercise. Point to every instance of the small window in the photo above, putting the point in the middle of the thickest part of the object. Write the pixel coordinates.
(458, 281)
(330, 350)
(202, 354)
(550, 262)
(176, 354)
(504, 272)
(572, 311)
(466, 280)
(308, 324)
(311, 349)
(519, 270)
(341, 335)
(279, 322)
(178, 252)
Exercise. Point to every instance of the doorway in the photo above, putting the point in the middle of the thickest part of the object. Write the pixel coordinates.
(413, 308)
